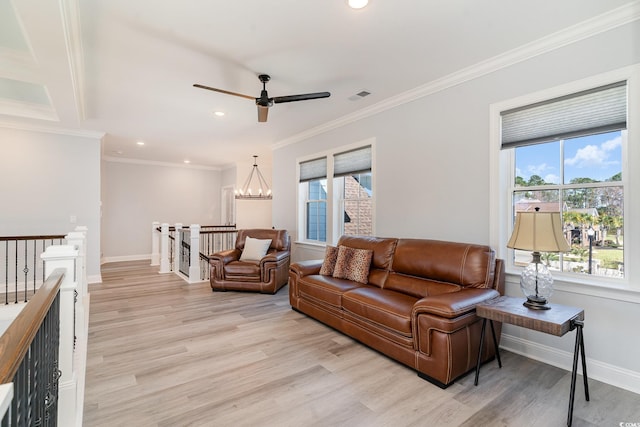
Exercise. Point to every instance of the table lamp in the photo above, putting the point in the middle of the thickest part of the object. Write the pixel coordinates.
(537, 232)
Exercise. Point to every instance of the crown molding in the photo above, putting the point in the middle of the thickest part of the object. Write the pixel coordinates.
(11, 107)
(575, 33)
(53, 130)
(70, 17)
(128, 160)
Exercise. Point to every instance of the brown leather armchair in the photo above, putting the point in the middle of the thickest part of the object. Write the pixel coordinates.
(267, 275)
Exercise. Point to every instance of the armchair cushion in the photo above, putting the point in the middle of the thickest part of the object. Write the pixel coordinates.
(254, 249)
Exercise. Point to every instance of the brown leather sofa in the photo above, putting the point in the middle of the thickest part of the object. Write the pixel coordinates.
(267, 275)
(418, 306)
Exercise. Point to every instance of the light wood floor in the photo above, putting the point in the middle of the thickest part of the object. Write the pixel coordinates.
(165, 353)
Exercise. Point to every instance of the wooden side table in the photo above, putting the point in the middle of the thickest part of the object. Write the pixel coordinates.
(559, 320)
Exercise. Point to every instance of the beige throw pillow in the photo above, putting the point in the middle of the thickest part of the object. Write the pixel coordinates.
(353, 264)
(254, 249)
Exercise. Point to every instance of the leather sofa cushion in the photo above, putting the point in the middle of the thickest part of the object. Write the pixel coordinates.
(280, 240)
(327, 289)
(448, 262)
(384, 307)
(417, 286)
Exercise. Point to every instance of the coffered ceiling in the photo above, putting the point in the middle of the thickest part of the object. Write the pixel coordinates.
(126, 68)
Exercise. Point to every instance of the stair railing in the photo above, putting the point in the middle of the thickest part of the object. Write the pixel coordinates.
(171, 248)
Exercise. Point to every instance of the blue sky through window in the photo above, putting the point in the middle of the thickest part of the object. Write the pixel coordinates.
(598, 157)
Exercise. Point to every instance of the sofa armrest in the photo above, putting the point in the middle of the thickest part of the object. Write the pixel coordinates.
(274, 257)
(306, 268)
(225, 257)
(453, 304)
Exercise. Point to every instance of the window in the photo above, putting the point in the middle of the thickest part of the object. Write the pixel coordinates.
(352, 180)
(313, 185)
(581, 178)
(316, 210)
(356, 204)
(568, 153)
(336, 194)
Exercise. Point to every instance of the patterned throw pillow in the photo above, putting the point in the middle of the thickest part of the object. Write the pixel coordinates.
(353, 264)
(329, 263)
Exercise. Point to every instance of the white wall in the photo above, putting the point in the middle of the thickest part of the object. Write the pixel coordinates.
(431, 167)
(45, 179)
(136, 194)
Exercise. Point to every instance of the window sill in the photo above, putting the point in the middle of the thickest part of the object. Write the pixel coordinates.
(600, 287)
(315, 245)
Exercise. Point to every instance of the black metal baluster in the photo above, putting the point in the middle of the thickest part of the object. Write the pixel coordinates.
(6, 273)
(25, 270)
(16, 273)
(35, 264)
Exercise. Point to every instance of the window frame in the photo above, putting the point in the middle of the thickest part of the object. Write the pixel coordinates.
(334, 202)
(502, 168)
(342, 201)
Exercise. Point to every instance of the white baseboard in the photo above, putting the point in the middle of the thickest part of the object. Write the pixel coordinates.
(105, 260)
(597, 370)
(94, 278)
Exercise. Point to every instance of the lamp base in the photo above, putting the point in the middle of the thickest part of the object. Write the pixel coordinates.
(536, 303)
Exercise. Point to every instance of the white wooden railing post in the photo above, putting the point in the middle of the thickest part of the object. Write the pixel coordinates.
(65, 256)
(6, 396)
(155, 243)
(194, 253)
(165, 266)
(177, 247)
(78, 239)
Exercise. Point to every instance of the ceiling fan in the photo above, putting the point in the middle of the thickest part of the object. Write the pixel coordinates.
(264, 102)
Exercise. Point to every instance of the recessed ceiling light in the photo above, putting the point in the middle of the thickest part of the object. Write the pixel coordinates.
(357, 4)
(140, 143)
(187, 161)
(219, 113)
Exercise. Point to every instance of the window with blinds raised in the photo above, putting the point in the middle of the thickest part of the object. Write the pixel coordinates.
(568, 157)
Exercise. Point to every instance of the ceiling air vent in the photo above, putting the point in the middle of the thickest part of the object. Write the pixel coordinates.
(359, 95)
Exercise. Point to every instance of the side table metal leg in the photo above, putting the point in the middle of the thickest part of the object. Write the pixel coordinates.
(484, 327)
(495, 344)
(579, 348)
(584, 364)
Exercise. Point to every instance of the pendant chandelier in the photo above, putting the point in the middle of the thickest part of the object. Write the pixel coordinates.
(263, 192)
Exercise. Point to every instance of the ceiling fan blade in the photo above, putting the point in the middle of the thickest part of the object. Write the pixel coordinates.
(262, 113)
(302, 97)
(224, 91)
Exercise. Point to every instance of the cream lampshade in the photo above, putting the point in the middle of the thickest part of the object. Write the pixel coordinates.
(537, 232)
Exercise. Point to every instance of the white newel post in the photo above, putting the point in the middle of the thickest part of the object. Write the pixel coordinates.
(65, 256)
(77, 239)
(165, 266)
(155, 243)
(194, 253)
(177, 247)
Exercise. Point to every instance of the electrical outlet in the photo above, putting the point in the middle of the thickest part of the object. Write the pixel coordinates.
(72, 219)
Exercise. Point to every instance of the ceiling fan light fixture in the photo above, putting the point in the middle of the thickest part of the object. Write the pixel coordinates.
(357, 4)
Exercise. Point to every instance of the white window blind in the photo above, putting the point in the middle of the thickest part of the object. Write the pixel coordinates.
(352, 162)
(598, 110)
(313, 169)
